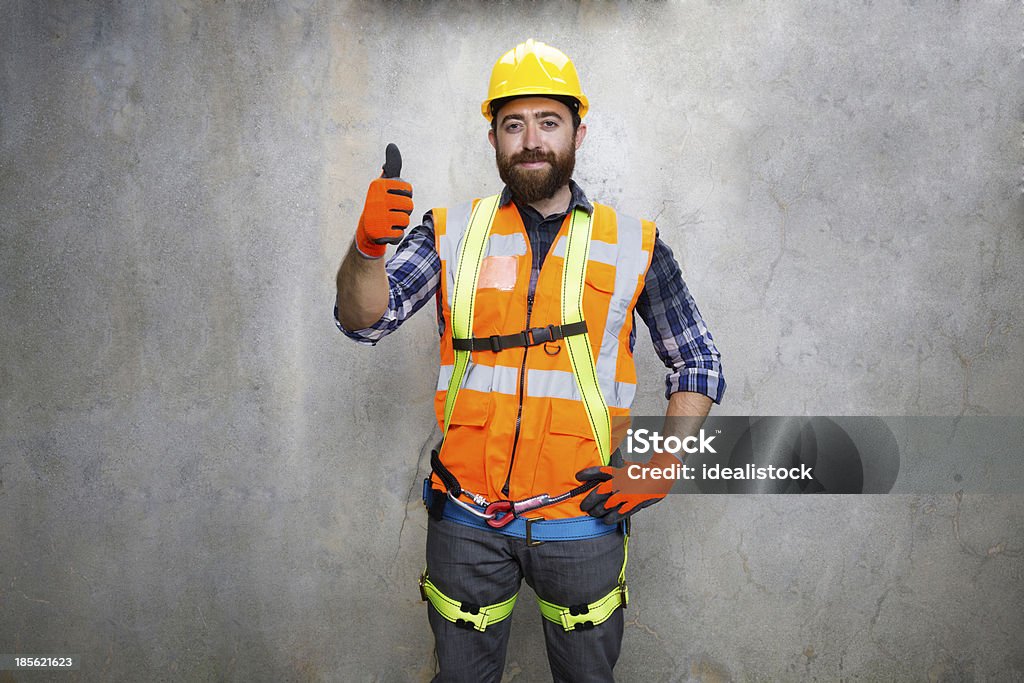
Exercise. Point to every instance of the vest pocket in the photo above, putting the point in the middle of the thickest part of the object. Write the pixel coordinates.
(465, 444)
(600, 276)
(568, 446)
(471, 409)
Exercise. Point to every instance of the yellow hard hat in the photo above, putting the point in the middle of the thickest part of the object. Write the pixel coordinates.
(534, 68)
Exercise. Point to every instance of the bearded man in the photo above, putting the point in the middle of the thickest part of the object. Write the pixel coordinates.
(527, 482)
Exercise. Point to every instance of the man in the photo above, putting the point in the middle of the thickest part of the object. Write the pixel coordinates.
(527, 482)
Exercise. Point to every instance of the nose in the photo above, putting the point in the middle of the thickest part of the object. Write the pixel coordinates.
(531, 139)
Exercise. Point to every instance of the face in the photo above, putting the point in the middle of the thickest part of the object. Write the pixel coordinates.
(535, 147)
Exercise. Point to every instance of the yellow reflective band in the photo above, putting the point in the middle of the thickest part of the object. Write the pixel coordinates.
(596, 612)
(577, 253)
(471, 256)
(452, 610)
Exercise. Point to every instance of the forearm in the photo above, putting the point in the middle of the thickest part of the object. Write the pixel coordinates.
(362, 290)
(685, 413)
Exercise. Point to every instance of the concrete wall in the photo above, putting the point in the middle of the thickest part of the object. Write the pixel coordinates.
(201, 479)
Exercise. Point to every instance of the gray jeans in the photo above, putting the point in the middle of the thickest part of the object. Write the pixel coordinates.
(485, 567)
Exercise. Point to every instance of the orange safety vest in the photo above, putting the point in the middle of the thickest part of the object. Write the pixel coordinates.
(519, 427)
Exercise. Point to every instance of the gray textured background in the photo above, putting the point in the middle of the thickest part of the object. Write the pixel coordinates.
(201, 479)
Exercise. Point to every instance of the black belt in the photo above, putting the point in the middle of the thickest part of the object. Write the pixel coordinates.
(530, 337)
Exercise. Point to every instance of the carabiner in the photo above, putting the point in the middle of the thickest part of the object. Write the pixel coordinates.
(470, 508)
(501, 513)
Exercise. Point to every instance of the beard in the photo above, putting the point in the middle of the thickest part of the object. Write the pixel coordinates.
(532, 185)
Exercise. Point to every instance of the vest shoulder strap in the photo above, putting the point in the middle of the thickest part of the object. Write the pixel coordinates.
(467, 273)
(581, 357)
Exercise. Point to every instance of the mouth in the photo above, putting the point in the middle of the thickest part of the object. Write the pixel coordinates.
(532, 164)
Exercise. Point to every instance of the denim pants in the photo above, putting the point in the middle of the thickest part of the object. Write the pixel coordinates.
(484, 567)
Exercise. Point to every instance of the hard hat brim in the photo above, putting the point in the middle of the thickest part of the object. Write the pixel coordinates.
(584, 104)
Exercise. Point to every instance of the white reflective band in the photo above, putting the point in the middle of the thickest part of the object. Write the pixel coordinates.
(631, 263)
(506, 245)
(602, 252)
(552, 384)
(498, 379)
(455, 227)
(444, 377)
(503, 380)
(562, 384)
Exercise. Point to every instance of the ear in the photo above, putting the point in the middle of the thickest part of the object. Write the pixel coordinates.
(581, 133)
(492, 139)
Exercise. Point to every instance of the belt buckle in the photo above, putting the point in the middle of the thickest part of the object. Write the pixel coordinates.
(530, 543)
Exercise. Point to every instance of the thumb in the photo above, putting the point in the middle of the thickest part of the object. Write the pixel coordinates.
(593, 474)
(392, 162)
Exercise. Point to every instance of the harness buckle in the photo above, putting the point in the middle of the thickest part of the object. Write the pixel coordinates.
(530, 543)
(423, 591)
(495, 343)
(539, 335)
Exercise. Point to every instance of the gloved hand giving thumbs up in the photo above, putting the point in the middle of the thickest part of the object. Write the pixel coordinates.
(387, 208)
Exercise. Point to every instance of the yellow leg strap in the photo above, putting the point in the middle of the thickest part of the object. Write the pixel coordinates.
(580, 617)
(462, 614)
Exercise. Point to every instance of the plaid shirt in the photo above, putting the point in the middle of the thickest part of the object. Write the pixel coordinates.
(680, 337)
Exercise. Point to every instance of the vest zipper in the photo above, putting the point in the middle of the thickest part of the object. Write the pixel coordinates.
(522, 382)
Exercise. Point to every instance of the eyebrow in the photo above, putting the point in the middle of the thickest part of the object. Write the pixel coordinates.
(538, 115)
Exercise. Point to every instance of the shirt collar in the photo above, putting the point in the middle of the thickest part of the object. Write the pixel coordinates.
(578, 199)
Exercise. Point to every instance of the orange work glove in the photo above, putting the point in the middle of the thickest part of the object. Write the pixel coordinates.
(619, 495)
(385, 216)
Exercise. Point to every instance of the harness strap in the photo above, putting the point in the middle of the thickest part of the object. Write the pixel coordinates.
(531, 337)
(464, 614)
(467, 273)
(534, 530)
(581, 357)
(583, 617)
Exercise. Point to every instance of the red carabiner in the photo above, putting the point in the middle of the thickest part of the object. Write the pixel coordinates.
(502, 511)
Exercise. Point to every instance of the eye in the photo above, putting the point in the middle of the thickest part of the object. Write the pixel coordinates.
(550, 124)
(513, 127)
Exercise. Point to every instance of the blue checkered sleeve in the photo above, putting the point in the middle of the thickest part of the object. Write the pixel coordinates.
(680, 337)
(414, 275)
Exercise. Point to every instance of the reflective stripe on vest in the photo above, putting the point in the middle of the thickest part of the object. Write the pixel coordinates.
(539, 383)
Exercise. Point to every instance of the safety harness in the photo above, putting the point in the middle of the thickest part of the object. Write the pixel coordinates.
(505, 516)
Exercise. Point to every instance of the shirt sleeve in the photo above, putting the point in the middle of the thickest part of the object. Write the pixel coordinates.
(680, 337)
(414, 275)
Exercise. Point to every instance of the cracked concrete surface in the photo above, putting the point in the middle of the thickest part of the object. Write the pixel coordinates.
(200, 479)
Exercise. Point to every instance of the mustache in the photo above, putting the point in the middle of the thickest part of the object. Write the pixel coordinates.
(528, 156)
